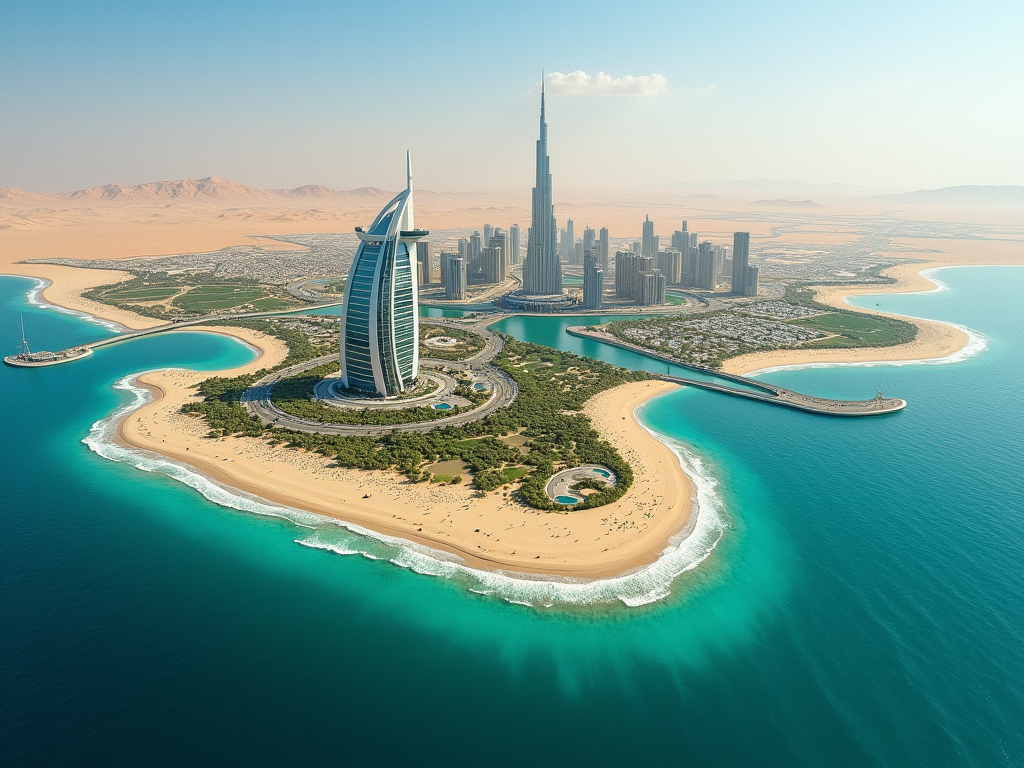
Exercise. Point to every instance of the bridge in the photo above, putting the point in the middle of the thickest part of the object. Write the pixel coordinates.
(43, 359)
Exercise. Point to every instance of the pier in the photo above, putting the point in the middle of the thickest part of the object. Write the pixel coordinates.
(754, 389)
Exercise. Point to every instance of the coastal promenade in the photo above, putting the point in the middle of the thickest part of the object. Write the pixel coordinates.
(754, 389)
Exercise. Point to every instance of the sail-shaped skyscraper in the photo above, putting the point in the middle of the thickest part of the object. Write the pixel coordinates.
(542, 271)
(380, 316)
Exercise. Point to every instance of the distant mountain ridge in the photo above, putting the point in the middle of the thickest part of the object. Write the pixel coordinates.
(967, 193)
(783, 203)
(211, 187)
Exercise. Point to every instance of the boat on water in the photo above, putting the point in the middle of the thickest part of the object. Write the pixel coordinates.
(26, 358)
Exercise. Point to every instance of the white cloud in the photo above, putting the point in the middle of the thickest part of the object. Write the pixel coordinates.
(579, 83)
(709, 88)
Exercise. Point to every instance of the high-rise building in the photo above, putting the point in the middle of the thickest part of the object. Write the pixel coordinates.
(423, 262)
(650, 288)
(589, 239)
(593, 281)
(379, 339)
(513, 252)
(707, 275)
(455, 280)
(750, 283)
(626, 268)
(670, 262)
(647, 247)
(476, 245)
(464, 249)
(681, 243)
(542, 272)
(502, 241)
(603, 246)
(443, 272)
(570, 242)
(635, 247)
(488, 234)
(492, 265)
(577, 253)
(740, 259)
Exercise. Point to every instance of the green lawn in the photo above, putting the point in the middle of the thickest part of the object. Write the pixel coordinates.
(161, 293)
(210, 298)
(855, 330)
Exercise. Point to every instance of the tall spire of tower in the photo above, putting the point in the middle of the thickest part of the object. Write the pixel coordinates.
(542, 272)
(408, 169)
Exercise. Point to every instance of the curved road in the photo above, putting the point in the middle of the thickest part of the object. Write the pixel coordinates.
(257, 401)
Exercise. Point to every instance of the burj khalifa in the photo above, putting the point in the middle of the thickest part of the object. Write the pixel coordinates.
(542, 272)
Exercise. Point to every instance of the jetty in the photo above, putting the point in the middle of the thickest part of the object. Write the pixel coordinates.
(752, 389)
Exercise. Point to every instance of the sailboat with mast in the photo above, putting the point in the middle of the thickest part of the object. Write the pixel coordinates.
(26, 358)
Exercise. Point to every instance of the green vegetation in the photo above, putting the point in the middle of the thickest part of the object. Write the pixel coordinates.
(295, 395)
(186, 295)
(857, 330)
(467, 343)
(221, 405)
(851, 329)
(553, 386)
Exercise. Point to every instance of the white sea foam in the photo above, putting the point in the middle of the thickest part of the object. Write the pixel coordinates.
(638, 587)
(977, 343)
(34, 296)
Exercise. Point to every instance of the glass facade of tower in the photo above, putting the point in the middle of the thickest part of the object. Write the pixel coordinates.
(380, 323)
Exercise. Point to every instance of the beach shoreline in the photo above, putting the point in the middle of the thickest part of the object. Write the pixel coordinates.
(934, 341)
(489, 533)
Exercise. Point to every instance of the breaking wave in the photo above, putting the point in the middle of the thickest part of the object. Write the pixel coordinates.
(638, 587)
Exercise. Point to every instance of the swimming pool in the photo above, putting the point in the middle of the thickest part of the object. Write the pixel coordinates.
(442, 407)
(567, 499)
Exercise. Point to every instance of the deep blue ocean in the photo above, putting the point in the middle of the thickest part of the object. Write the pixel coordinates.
(863, 605)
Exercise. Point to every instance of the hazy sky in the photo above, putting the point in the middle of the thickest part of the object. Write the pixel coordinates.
(890, 94)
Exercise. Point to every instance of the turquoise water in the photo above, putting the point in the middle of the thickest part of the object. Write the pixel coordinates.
(864, 605)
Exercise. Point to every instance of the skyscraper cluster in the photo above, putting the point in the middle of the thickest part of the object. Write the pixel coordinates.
(689, 262)
(637, 279)
(486, 259)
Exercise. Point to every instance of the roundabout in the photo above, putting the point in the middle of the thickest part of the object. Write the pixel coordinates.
(442, 378)
(435, 390)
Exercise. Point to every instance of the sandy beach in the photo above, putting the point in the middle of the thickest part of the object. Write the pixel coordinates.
(934, 340)
(490, 532)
